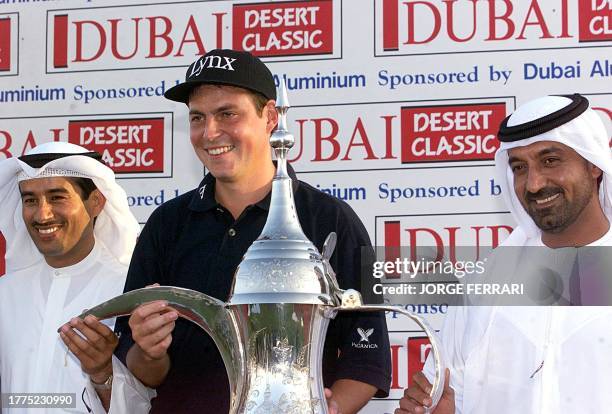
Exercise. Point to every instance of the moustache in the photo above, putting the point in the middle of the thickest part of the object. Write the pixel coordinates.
(46, 224)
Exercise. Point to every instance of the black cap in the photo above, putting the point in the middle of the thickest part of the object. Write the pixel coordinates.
(225, 67)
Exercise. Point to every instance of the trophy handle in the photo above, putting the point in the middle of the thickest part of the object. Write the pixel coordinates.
(205, 311)
(351, 301)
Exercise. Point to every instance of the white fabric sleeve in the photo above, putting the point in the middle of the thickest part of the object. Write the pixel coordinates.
(451, 336)
(128, 394)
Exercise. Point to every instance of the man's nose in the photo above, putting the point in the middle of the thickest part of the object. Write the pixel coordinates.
(536, 180)
(44, 212)
(211, 129)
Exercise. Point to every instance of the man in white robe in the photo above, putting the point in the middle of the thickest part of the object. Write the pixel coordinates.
(557, 168)
(68, 249)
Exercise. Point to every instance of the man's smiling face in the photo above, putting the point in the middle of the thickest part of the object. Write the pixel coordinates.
(553, 183)
(58, 220)
(228, 133)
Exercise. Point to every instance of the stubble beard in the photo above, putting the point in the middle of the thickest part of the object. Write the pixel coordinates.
(556, 219)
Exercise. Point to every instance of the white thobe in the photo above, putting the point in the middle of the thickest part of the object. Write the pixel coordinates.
(540, 360)
(34, 303)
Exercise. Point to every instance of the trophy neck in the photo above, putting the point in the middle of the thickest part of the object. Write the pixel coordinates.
(282, 265)
(283, 222)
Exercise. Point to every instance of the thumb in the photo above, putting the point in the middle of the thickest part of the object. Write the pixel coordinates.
(328, 393)
(446, 379)
(448, 391)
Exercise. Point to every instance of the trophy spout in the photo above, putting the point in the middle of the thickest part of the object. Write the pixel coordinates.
(208, 313)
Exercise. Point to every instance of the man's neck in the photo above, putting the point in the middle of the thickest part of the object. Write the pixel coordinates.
(591, 226)
(82, 251)
(236, 196)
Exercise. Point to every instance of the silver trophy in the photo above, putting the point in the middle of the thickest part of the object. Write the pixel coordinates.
(271, 331)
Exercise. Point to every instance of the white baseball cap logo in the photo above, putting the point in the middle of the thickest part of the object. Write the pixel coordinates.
(212, 61)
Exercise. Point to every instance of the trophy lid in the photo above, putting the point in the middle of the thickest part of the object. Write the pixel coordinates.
(282, 265)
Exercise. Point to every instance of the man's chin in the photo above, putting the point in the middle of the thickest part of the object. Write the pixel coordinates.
(551, 225)
(223, 175)
(47, 249)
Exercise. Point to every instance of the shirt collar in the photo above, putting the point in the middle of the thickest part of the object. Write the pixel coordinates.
(204, 197)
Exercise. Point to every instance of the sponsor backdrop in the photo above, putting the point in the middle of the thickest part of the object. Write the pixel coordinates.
(395, 102)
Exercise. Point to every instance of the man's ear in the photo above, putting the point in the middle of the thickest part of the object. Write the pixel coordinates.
(595, 171)
(271, 115)
(96, 202)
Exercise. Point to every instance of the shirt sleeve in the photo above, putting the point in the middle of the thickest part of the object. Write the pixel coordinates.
(128, 395)
(361, 338)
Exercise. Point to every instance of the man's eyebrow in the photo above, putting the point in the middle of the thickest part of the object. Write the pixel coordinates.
(58, 190)
(542, 152)
(549, 150)
(513, 160)
(222, 108)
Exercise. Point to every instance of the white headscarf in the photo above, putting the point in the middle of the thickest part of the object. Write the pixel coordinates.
(585, 134)
(116, 227)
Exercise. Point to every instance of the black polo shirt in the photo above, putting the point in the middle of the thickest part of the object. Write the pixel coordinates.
(193, 242)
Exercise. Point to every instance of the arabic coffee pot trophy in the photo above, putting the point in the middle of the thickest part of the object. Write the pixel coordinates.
(271, 331)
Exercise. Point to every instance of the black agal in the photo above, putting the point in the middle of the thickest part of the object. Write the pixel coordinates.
(575, 108)
(38, 160)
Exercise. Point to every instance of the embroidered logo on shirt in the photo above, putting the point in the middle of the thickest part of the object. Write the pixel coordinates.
(201, 190)
(364, 339)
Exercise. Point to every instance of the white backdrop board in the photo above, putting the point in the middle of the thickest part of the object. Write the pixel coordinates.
(396, 103)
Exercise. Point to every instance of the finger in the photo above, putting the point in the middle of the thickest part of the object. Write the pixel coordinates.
(447, 380)
(98, 335)
(417, 410)
(154, 323)
(416, 394)
(88, 363)
(153, 285)
(101, 329)
(72, 347)
(328, 393)
(106, 340)
(90, 335)
(152, 339)
(333, 407)
(144, 311)
(449, 392)
(421, 380)
(77, 345)
(411, 405)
